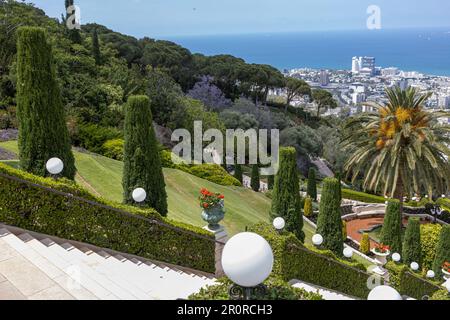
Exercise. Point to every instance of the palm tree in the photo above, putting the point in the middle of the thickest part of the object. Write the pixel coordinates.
(401, 148)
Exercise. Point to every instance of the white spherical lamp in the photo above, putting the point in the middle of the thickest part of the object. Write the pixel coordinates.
(443, 196)
(279, 223)
(414, 266)
(430, 274)
(384, 293)
(317, 239)
(396, 257)
(247, 259)
(139, 195)
(54, 166)
(348, 253)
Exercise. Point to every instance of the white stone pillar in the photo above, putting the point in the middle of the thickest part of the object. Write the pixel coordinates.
(221, 235)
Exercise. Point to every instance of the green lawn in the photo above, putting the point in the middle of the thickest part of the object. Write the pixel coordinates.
(244, 207)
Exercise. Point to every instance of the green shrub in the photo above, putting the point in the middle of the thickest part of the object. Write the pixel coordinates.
(440, 295)
(429, 235)
(308, 207)
(320, 267)
(286, 200)
(344, 230)
(92, 136)
(43, 131)
(270, 182)
(329, 223)
(142, 165)
(38, 210)
(255, 183)
(277, 289)
(408, 283)
(210, 172)
(412, 250)
(442, 251)
(213, 173)
(361, 196)
(113, 149)
(238, 173)
(364, 245)
(312, 184)
(391, 232)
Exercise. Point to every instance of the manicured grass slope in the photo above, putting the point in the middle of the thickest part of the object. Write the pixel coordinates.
(103, 176)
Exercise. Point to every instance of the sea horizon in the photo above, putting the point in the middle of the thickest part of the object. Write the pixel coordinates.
(425, 50)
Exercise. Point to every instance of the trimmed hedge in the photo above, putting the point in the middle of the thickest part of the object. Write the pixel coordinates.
(409, 283)
(277, 289)
(293, 260)
(211, 172)
(361, 196)
(36, 209)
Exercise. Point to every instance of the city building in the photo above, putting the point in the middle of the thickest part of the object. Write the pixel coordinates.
(365, 65)
(324, 78)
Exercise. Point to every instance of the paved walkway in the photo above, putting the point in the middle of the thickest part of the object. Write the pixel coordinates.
(354, 226)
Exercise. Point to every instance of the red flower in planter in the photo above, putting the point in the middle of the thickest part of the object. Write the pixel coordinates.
(209, 199)
(382, 248)
(446, 266)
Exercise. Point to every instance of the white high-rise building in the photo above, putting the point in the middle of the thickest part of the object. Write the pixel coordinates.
(355, 65)
(444, 102)
(363, 65)
(324, 78)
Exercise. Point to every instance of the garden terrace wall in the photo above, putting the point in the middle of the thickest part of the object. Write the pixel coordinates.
(410, 284)
(63, 209)
(295, 261)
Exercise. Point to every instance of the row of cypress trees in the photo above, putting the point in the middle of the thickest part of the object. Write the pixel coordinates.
(43, 133)
(410, 248)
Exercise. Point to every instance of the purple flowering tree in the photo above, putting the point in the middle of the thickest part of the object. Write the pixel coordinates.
(211, 96)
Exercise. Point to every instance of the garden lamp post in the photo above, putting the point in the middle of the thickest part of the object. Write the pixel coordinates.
(384, 293)
(414, 266)
(436, 211)
(54, 166)
(279, 224)
(396, 257)
(139, 195)
(247, 260)
(317, 240)
(348, 253)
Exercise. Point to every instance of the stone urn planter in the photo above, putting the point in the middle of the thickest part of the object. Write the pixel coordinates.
(381, 260)
(446, 274)
(214, 215)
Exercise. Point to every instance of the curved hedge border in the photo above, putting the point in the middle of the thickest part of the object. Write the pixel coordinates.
(36, 209)
(361, 196)
(410, 284)
(295, 261)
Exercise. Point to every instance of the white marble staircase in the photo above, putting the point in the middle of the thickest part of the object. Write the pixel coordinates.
(42, 269)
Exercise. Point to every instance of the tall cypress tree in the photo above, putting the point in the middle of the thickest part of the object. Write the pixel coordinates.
(338, 176)
(270, 182)
(73, 34)
(96, 47)
(43, 132)
(391, 232)
(312, 186)
(255, 182)
(442, 251)
(238, 173)
(286, 201)
(412, 249)
(142, 164)
(329, 222)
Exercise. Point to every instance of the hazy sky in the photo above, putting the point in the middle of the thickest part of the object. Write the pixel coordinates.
(159, 18)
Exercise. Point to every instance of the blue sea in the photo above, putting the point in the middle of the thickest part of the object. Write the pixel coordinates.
(426, 50)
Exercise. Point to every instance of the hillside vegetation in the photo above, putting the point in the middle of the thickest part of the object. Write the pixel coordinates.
(103, 176)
